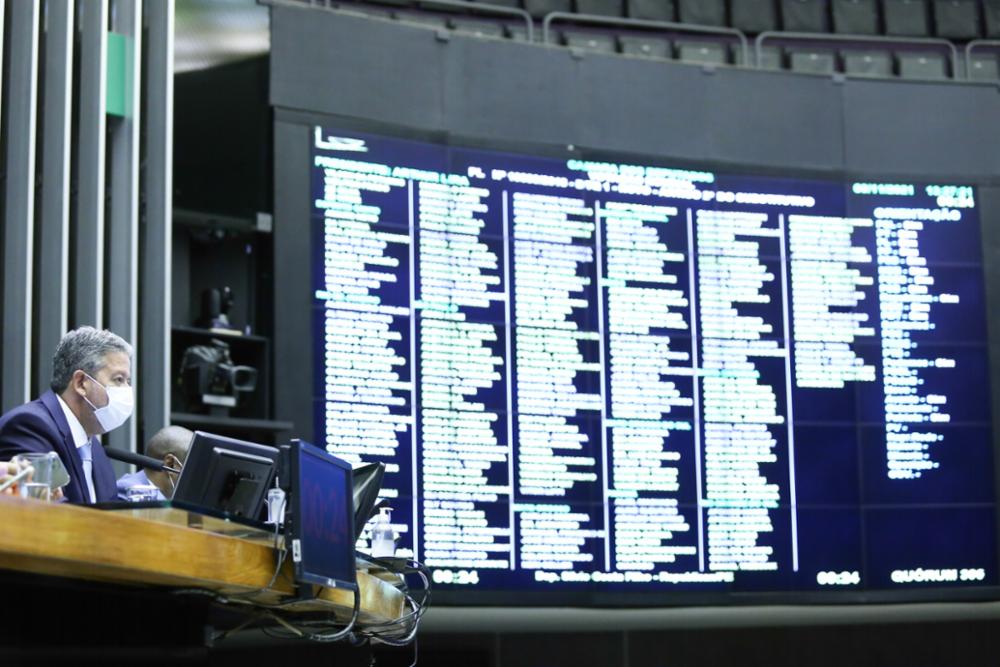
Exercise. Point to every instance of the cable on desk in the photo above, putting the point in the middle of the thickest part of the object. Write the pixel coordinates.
(385, 633)
(280, 555)
(245, 598)
(381, 633)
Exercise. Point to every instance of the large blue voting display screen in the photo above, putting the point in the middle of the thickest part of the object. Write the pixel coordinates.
(608, 378)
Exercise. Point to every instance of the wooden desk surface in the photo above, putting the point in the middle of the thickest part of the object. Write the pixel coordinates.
(82, 543)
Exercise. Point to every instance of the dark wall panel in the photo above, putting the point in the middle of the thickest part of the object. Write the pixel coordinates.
(504, 91)
(293, 356)
(774, 119)
(643, 107)
(541, 650)
(356, 67)
(490, 111)
(971, 644)
(922, 128)
(597, 101)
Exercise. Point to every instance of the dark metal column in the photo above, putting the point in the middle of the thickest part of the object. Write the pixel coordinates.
(52, 271)
(87, 297)
(122, 261)
(156, 237)
(2, 11)
(19, 204)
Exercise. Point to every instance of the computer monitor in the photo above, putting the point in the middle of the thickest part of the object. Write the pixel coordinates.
(320, 521)
(367, 481)
(226, 476)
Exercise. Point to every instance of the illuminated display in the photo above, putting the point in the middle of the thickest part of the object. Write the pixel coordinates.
(590, 376)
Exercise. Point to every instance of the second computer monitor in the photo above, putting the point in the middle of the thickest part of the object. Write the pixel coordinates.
(321, 517)
(226, 476)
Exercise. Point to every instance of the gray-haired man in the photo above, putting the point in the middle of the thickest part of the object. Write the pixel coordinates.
(91, 393)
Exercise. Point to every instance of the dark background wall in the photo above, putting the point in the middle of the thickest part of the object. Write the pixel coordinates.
(916, 645)
(380, 76)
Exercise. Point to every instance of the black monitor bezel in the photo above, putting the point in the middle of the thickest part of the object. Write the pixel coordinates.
(199, 464)
(293, 518)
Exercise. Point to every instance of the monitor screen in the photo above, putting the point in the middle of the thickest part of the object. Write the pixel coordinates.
(322, 518)
(607, 377)
(226, 476)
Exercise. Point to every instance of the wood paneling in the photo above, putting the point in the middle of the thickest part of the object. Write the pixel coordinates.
(83, 543)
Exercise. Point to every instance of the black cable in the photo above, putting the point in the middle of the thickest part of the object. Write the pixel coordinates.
(244, 598)
(419, 569)
(377, 632)
(281, 553)
(383, 632)
(417, 612)
(320, 637)
(401, 624)
(367, 633)
(218, 598)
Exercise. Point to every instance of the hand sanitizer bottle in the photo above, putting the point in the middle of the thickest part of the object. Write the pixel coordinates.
(383, 539)
(276, 504)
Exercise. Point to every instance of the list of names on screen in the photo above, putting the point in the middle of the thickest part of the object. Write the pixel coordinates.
(591, 375)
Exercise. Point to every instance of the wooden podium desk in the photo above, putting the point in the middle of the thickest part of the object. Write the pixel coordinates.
(167, 547)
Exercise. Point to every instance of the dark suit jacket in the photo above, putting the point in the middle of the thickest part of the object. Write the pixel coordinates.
(40, 426)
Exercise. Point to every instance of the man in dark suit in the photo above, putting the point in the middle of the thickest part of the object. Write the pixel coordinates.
(91, 393)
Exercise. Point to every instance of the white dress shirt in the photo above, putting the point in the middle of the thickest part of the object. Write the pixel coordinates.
(83, 446)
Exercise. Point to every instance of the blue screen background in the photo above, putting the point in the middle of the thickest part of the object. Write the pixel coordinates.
(597, 376)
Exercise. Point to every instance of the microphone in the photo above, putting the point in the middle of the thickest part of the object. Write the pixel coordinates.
(138, 459)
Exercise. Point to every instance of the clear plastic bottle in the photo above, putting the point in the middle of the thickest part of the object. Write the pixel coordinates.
(276, 504)
(383, 539)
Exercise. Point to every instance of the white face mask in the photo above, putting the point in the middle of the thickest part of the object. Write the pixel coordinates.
(119, 407)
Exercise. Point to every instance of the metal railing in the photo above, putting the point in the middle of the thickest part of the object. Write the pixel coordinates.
(596, 19)
(474, 7)
(849, 39)
(674, 27)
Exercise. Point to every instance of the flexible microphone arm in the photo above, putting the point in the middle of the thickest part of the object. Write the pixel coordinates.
(139, 460)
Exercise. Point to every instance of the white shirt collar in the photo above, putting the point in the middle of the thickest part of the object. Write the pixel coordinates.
(75, 427)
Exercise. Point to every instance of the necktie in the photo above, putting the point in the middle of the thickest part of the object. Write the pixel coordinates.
(86, 455)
